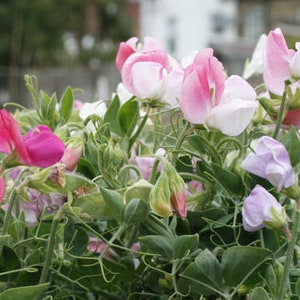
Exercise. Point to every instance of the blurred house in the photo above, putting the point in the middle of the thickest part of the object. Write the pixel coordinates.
(183, 26)
(253, 18)
(231, 27)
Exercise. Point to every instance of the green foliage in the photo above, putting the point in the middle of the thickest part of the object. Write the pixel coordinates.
(107, 242)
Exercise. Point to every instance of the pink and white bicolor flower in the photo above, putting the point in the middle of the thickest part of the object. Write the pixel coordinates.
(208, 98)
(133, 45)
(152, 76)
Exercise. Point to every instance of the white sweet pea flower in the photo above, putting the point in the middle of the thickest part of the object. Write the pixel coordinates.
(255, 66)
(95, 108)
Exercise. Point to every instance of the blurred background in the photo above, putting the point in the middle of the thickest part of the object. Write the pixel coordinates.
(74, 42)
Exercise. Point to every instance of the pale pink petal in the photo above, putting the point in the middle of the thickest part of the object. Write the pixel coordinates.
(149, 80)
(232, 117)
(195, 100)
(124, 51)
(236, 108)
(295, 64)
(173, 88)
(237, 87)
(132, 42)
(151, 44)
(277, 58)
(159, 57)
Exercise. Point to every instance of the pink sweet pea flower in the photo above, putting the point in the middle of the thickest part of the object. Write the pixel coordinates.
(207, 98)
(97, 246)
(38, 203)
(11, 137)
(39, 147)
(43, 146)
(271, 161)
(261, 209)
(131, 46)
(151, 76)
(145, 163)
(277, 62)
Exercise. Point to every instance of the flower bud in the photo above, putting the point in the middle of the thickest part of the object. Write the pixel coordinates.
(160, 196)
(72, 155)
(177, 188)
(178, 198)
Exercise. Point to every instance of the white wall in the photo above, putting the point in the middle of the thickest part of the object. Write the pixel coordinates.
(192, 27)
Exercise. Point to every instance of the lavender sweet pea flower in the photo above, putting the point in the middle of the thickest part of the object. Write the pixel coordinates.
(261, 210)
(271, 161)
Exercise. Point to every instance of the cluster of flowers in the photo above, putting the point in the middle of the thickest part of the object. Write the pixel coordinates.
(206, 96)
(206, 99)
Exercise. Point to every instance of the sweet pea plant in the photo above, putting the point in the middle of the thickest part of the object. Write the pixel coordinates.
(184, 185)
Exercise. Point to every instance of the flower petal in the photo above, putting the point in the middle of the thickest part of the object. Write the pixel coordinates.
(2, 188)
(43, 146)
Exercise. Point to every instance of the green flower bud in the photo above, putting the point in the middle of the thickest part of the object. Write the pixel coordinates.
(160, 196)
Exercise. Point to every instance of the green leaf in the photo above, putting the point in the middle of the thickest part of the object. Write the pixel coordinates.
(292, 144)
(135, 211)
(94, 205)
(158, 244)
(184, 164)
(111, 116)
(230, 181)
(3, 241)
(24, 292)
(66, 104)
(9, 262)
(76, 239)
(185, 244)
(297, 287)
(271, 279)
(114, 201)
(140, 189)
(202, 145)
(259, 293)
(245, 263)
(128, 116)
(48, 107)
(202, 277)
(75, 181)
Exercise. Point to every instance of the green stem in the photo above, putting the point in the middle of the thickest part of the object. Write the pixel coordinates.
(139, 130)
(50, 247)
(186, 130)
(280, 115)
(289, 254)
(8, 214)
